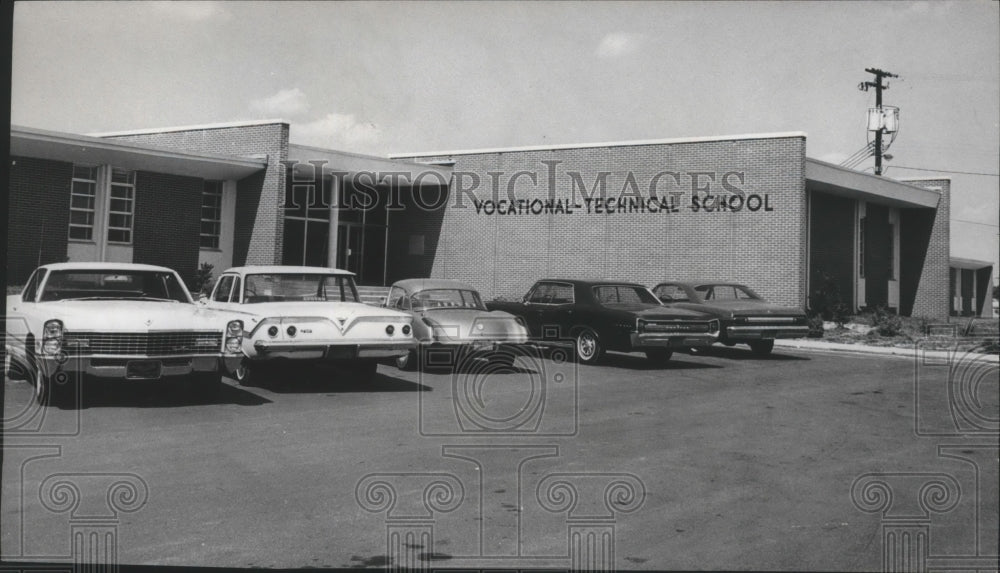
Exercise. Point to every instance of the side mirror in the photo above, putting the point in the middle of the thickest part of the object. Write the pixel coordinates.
(202, 299)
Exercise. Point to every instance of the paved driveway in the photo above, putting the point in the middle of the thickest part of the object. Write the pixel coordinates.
(715, 461)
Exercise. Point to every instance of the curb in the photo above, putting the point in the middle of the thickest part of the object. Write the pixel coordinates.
(803, 344)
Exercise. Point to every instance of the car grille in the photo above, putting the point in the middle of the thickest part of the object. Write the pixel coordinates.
(677, 327)
(143, 343)
(772, 319)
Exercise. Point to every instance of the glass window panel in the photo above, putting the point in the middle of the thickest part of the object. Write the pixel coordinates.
(121, 206)
(84, 172)
(80, 233)
(81, 218)
(83, 188)
(209, 242)
(122, 176)
(119, 235)
(82, 202)
(121, 192)
(115, 220)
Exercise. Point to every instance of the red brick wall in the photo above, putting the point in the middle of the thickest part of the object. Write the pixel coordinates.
(931, 296)
(259, 198)
(167, 223)
(37, 215)
(503, 255)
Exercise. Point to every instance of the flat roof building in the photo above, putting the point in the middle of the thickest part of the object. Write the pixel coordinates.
(752, 209)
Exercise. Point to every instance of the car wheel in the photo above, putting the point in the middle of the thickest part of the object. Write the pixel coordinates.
(659, 356)
(245, 373)
(205, 385)
(588, 347)
(762, 347)
(407, 362)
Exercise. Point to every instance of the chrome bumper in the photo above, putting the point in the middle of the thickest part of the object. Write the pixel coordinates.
(128, 367)
(641, 341)
(324, 351)
(762, 332)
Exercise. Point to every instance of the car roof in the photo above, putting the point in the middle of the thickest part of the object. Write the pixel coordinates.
(287, 269)
(697, 283)
(92, 266)
(415, 285)
(591, 282)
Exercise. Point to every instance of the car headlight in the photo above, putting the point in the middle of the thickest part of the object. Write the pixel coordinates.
(713, 326)
(234, 336)
(52, 335)
(640, 325)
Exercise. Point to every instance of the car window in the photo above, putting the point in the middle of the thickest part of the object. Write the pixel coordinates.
(114, 284)
(222, 289)
(28, 294)
(540, 293)
(561, 294)
(397, 299)
(724, 292)
(671, 293)
(447, 298)
(623, 294)
(299, 287)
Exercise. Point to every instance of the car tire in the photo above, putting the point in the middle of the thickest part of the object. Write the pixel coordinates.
(246, 373)
(762, 347)
(408, 361)
(588, 347)
(205, 385)
(659, 356)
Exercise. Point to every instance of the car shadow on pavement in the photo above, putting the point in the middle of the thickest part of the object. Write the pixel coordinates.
(744, 353)
(322, 380)
(152, 394)
(639, 362)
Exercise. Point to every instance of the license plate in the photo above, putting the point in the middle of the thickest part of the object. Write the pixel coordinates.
(143, 369)
(341, 352)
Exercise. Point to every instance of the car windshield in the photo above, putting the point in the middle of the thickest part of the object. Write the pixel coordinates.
(725, 292)
(623, 294)
(299, 287)
(446, 298)
(113, 285)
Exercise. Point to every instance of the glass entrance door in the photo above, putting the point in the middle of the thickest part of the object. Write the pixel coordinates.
(349, 247)
(361, 249)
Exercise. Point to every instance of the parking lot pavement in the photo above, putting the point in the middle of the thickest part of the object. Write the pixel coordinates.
(714, 461)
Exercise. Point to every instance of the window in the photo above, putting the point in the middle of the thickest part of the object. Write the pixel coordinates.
(397, 299)
(211, 214)
(671, 293)
(122, 205)
(623, 294)
(725, 292)
(114, 284)
(540, 293)
(83, 192)
(222, 289)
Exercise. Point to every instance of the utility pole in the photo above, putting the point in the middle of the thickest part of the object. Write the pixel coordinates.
(877, 84)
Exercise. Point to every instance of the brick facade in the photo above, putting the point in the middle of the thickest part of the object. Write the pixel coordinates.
(502, 255)
(37, 215)
(259, 198)
(167, 222)
(930, 229)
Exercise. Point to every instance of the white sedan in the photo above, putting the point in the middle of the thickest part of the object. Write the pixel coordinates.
(117, 320)
(309, 315)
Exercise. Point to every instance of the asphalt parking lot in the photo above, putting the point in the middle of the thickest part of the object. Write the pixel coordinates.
(714, 461)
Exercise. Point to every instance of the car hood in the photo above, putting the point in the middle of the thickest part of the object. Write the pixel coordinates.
(130, 316)
(331, 310)
(654, 312)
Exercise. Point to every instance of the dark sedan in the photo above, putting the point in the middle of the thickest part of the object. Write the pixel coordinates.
(746, 317)
(596, 316)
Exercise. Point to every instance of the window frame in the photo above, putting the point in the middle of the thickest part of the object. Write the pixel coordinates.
(130, 214)
(229, 288)
(215, 190)
(93, 200)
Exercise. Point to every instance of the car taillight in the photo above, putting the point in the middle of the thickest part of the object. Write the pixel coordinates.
(390, 330)
(406, 329)
(52, 335)
(272, 331)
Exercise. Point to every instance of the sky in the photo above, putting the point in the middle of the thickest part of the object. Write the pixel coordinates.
(395, 77)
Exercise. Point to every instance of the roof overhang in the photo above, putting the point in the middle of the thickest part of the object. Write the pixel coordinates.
(86, 150)
(836, 180)
(971, 264)
(407, 172)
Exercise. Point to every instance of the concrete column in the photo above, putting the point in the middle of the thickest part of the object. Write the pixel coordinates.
(331, 253)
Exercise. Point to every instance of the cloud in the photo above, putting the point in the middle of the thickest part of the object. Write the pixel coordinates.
(835, 157)
(195, 11)
(337, 131)
(284, 103)
(618, 44)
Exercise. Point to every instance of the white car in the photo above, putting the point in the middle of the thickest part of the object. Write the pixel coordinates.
(309, 315)
(117, 320)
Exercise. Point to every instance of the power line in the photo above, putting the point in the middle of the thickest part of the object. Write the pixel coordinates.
(975, 222)
(947, 171)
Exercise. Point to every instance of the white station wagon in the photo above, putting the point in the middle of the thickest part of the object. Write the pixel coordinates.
(309, 315)
(117, 320)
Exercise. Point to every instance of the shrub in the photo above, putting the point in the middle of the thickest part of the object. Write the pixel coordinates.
(826, 301)
(203, 278)
(815, 326)
(886, 323)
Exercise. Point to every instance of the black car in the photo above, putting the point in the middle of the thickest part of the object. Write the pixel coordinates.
(745, 316)
(595, 316)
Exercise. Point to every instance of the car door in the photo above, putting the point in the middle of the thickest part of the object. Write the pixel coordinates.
(221, 297)
(561, 310)
(533, 307)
